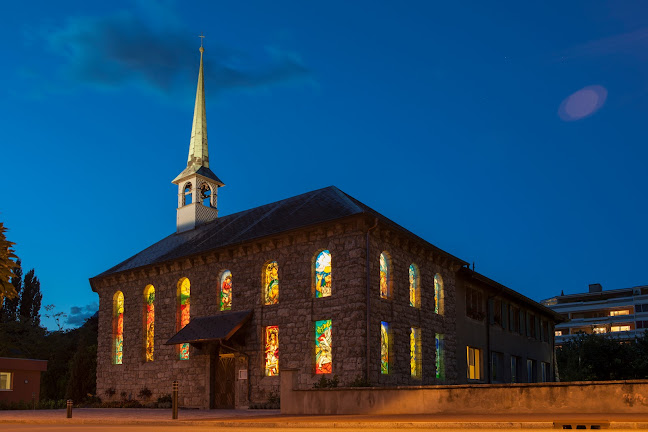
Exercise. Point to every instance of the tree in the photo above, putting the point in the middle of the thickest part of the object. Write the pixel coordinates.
(30, 301)
(10, 308)
(7, 265)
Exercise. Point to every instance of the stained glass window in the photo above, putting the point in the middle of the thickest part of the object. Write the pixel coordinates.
(323, 274)
(438, 294)
(118, 327)
(438, 339)
(323, 347)
(385, 269)
(149, 330)
(272, 350)
(414, 286)
(226, 291)
(184, 292)
(384, 347)
(415, 352)
(271, 285)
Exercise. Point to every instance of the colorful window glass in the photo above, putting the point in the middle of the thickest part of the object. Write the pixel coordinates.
(149, 330)
(226, 291)
(414, 286)
(323, 274)
(438, 341)
(271, 285)
(415, 352)
(384, 347)
(385, 281)
(272, 350)
(438, 294)
(184, 293)
(323, 347)
(118, 328)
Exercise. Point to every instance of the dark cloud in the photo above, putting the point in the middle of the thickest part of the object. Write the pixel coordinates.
(124, 49)
(79, 314)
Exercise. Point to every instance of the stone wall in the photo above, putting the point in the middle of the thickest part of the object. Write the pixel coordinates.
(576, 397)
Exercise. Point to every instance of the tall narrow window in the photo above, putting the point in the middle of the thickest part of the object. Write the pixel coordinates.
(271, 283)
(149, 325)
(184, 294)
(187, 198)
(438, 294)
(474, 363)
(118, 327)
(415, 352)
(439, 362)
(323, 274)
(323, 347)
(226, 291)
(272, 350)
(414, 294)
(384, 347)
(385, 276)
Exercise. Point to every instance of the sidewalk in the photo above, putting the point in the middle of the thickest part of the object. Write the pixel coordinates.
(273, 419)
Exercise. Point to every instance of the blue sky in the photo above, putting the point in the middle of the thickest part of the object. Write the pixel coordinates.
(512, 136)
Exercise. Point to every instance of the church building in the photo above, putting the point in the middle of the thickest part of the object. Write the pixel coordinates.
(319, 283)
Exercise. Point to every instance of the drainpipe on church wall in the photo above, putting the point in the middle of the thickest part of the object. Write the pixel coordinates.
(367, 352)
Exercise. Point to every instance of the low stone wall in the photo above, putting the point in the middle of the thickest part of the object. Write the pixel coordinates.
(573, 397)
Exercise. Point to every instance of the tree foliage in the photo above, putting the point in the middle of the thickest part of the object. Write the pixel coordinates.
(601, 357)
(30, 300)
(7, 265)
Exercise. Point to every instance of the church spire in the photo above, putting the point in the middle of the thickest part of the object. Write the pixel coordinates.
(198, 151)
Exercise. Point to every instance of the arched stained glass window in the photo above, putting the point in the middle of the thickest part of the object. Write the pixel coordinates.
(385, 276)
(272, 350)
(323, 274)
(271, 283)
(414, 294)
(149, 324)
(118, 327)
(226, 290)
(384, 347)
(184, 294)
(323, 347)
(438, 294)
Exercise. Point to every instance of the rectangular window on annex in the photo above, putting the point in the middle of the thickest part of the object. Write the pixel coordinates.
(384, 347)
(532, 373)
(272, 350)
(545, 371)
(5, 380)
(474, 363)
(439, 363)
(415, 352)
(515, 364)
(323, 347)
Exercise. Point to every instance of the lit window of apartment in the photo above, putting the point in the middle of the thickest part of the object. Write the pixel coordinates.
(599, 330)
(474, 359)
(619, 328)
(5, 381)
(620, 312)
(558, 333)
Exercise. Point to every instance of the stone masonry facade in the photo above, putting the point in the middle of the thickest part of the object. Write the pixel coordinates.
(295, 314)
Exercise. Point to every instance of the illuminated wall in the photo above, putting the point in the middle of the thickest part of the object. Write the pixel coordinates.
(149, 326)
(438, 294)
(323, 274)
(226, 291)
(184, 292)
(415, 352)
(385, 269)
(272, 350)
(414, 294)
(323, 347)
(118, 327)
(271, 285)
(384, 347)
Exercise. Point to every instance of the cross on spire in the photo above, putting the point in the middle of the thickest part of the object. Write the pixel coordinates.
(202, 37)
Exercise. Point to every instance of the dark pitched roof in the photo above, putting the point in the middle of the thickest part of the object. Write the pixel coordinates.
(300, 211)
(216, 327)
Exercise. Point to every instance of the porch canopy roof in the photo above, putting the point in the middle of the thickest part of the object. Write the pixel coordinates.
(211, 328)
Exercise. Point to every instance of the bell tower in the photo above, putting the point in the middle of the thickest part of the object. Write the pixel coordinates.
(197, 184)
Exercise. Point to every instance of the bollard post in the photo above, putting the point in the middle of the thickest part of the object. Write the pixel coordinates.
(174, 401)
(69, 408)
